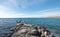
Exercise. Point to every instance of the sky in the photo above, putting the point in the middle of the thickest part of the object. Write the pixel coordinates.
(29, 8)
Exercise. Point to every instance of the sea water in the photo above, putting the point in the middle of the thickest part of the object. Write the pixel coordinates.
(53, 24)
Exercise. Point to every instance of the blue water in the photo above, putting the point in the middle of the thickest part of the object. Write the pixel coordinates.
(52, 23)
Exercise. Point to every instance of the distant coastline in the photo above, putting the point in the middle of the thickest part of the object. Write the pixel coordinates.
(53, 17)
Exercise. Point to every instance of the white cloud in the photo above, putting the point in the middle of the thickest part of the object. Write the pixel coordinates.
(7, 12)
(22, 3)
(48, 13)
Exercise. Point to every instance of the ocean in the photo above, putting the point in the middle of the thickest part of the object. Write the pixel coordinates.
(53, 24)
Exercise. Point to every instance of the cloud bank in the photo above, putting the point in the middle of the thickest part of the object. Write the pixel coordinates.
(7, 9)
(7, 13)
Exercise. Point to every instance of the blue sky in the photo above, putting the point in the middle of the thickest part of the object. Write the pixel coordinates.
(29, 8)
